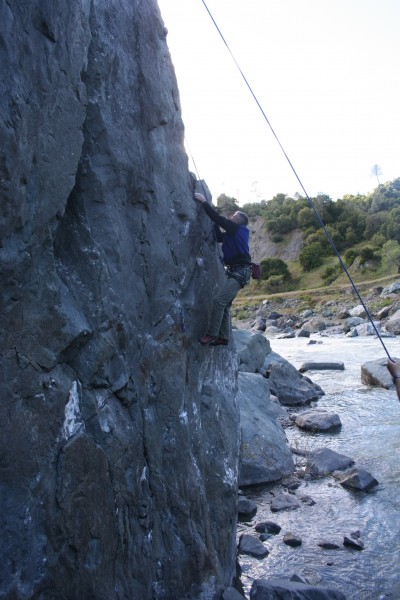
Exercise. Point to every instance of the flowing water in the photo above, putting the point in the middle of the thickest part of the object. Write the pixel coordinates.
(370, 434)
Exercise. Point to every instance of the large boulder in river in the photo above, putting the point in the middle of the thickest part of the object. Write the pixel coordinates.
(265, 455)
(318, 420)
(285, 382)
(324, 461)
(375, 372)
(119, 433)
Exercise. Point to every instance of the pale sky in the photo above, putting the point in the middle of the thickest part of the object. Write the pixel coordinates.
(326, 73)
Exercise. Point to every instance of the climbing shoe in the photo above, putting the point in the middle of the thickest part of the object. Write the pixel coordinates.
(219, 342)
(207, 339)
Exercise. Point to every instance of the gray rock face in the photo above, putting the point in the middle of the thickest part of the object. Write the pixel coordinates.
(119, 432)
(265, 455)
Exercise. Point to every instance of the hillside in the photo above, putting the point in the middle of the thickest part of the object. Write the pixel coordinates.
(262, 246)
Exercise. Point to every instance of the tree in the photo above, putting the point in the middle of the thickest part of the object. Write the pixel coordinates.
(376, 171)
(274, 266)
(391, 254)
(311, 256)
(227, 204)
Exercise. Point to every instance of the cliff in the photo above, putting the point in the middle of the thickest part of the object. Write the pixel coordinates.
(119, 433)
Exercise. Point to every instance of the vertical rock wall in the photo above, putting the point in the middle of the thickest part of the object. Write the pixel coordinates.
(118, 431)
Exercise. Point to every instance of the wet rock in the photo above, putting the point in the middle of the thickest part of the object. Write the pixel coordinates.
(323, 461)
(246, 508)
(274, 589)
(374, 372)
(307, 500)
(268, 527)
(354, 542)
(327, 545)
(321, 366)
(359, 480)
(303, 333)
(292, 540)
(250, 545)
(291, 388)
(265, 455)
(284, 502)
(264, 537)
(318, 420)
(287, 336)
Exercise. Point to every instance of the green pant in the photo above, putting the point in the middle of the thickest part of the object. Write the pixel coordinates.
(220, 320)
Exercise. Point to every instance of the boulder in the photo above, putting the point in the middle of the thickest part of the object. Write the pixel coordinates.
(267, 527)
(375, 372)
(318, 420)
(393, 288)
(291, 388)
(275, 589)
(393, 323)
(360, 479)
(265, 455)
(354, 542)
(248, 544)
(358, 311)
(252, 348)
(367, 328)
(284, 502)
(292, 540)
(321, 366)
(324, 461)
(246, 508)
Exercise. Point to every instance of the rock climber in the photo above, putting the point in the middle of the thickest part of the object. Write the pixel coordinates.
(237, 261)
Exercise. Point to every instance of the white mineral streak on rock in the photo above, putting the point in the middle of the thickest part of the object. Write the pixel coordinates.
(73, 421)
(183, 417)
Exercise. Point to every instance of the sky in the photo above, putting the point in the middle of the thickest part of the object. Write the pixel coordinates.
(326, 75)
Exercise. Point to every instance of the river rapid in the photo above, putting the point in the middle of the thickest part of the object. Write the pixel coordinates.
(370, 434)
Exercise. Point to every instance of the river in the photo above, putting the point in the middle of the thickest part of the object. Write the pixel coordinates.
(370, 434)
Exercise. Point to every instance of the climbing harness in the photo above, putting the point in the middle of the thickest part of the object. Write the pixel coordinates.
(314, 208)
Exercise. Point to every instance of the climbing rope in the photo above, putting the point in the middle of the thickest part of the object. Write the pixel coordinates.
(221, 258)
(314, 208)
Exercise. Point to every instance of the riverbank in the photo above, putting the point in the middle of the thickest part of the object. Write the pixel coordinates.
(369, 434)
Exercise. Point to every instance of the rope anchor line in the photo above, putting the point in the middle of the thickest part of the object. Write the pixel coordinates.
(314, 208)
